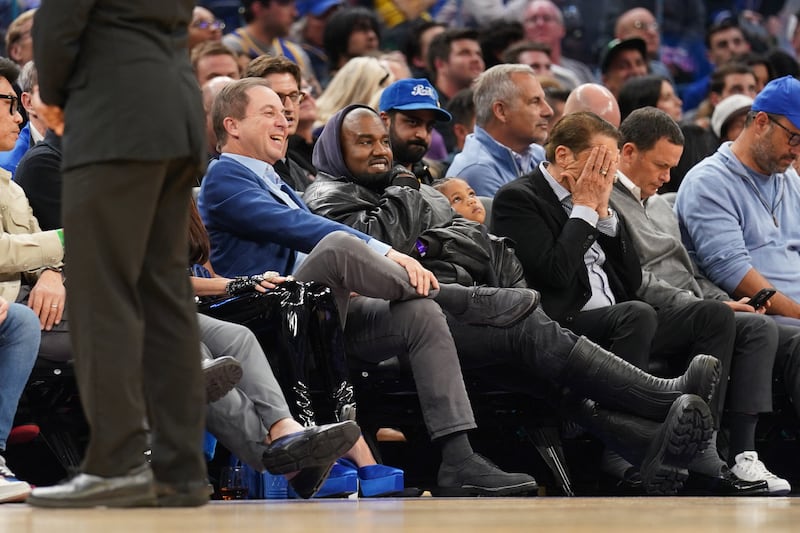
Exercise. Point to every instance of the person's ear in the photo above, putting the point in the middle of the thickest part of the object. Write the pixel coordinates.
(231, 126)
(563, 156)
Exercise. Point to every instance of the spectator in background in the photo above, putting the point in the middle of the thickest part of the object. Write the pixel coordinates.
(309, 32)
(729, 116)
(358, 82)
(621, 61)
(544, 23)
(730, 78)
(350, 32)
(497, 38)
(455, 60)
(212, 59)
(557, 99)
(761, 67)
(19, 43)
(210, 90)
(699, 144)
(653, 91)
(538, 57)
(416, 49)
(267, 26)
(640, 22)
(462, 109)
(724, 41)
(301, 144)
(595, 98)
(204, 27)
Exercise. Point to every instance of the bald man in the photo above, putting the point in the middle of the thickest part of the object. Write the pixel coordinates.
(595, 98)
(640, 22)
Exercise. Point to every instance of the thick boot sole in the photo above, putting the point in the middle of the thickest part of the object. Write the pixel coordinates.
(685, 432)
(122, 498)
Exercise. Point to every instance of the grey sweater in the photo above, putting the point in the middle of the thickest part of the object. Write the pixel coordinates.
(668, 274)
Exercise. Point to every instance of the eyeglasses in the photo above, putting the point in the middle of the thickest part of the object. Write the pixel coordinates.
(13, 104)
(794, 138)
(206, 25)
(295, 97)
(642, 25)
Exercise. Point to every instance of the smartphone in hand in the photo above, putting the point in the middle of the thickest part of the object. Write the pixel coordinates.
(761, 297)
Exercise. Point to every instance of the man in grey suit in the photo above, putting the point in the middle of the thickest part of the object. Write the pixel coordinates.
(117, 73)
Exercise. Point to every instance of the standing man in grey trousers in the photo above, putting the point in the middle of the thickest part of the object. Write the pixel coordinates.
(117, 74)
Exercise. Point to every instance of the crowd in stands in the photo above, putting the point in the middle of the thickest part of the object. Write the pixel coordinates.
(585, 192)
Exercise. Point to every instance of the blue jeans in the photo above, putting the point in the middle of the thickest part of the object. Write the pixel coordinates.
(19, 344)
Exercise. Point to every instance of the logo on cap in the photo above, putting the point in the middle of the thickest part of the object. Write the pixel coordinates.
(422, 90)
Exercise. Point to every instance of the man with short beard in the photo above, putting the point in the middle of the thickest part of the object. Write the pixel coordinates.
(410, 109)
(737, 208)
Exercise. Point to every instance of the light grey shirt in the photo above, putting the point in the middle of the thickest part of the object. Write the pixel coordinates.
(594, 258)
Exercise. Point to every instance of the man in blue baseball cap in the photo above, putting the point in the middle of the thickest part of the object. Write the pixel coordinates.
(410, 108)
(739, 221)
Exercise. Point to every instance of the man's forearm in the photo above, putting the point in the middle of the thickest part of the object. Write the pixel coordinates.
(780, 304)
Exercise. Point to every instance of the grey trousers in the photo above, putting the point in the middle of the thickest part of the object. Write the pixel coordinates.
(241, 419)
(390, 319)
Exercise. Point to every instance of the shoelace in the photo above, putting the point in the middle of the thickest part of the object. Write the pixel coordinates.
(753, 466)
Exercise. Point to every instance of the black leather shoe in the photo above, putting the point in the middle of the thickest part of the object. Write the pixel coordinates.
(498, 307)
(725, 484)
(314, 447)
(221, 375)
(134, 489)
(189, 494)
(477, 476)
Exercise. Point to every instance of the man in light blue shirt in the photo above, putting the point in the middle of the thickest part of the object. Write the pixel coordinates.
(511, 125)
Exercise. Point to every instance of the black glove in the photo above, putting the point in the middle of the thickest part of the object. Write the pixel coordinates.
(241, 284)
(402, 177)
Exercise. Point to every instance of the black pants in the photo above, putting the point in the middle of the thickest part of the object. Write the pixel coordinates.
(132, 318)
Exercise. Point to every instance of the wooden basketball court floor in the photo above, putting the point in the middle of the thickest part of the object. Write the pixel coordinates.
(436, 515)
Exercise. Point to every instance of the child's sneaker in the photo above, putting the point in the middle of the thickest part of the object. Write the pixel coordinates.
(11, 489)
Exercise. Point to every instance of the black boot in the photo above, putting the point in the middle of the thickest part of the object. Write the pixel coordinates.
(598, 374)
(662, 451)
(327, 345)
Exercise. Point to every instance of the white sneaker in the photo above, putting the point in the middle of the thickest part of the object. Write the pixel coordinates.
(11, 489)
(749, 468)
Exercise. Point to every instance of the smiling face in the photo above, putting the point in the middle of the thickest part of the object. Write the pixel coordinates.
(463, 199)
(649, 169)
(366, 149)
(262, 132)
(285, 84)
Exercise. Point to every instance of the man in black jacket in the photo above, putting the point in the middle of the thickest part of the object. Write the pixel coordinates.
(357, 186)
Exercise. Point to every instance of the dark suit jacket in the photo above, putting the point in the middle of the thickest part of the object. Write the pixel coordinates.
(39, 175)
(120, 70)
(551, 247)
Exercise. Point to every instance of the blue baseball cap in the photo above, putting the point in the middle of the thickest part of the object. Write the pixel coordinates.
(315, 7)
(781, 96)
(411, 94)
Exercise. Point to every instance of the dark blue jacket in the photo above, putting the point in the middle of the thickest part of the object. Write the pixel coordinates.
(251, 229)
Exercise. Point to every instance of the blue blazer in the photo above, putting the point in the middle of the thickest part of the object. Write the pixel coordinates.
(251, 229)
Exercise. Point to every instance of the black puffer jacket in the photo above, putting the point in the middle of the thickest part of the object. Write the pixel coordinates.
(459, 250)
